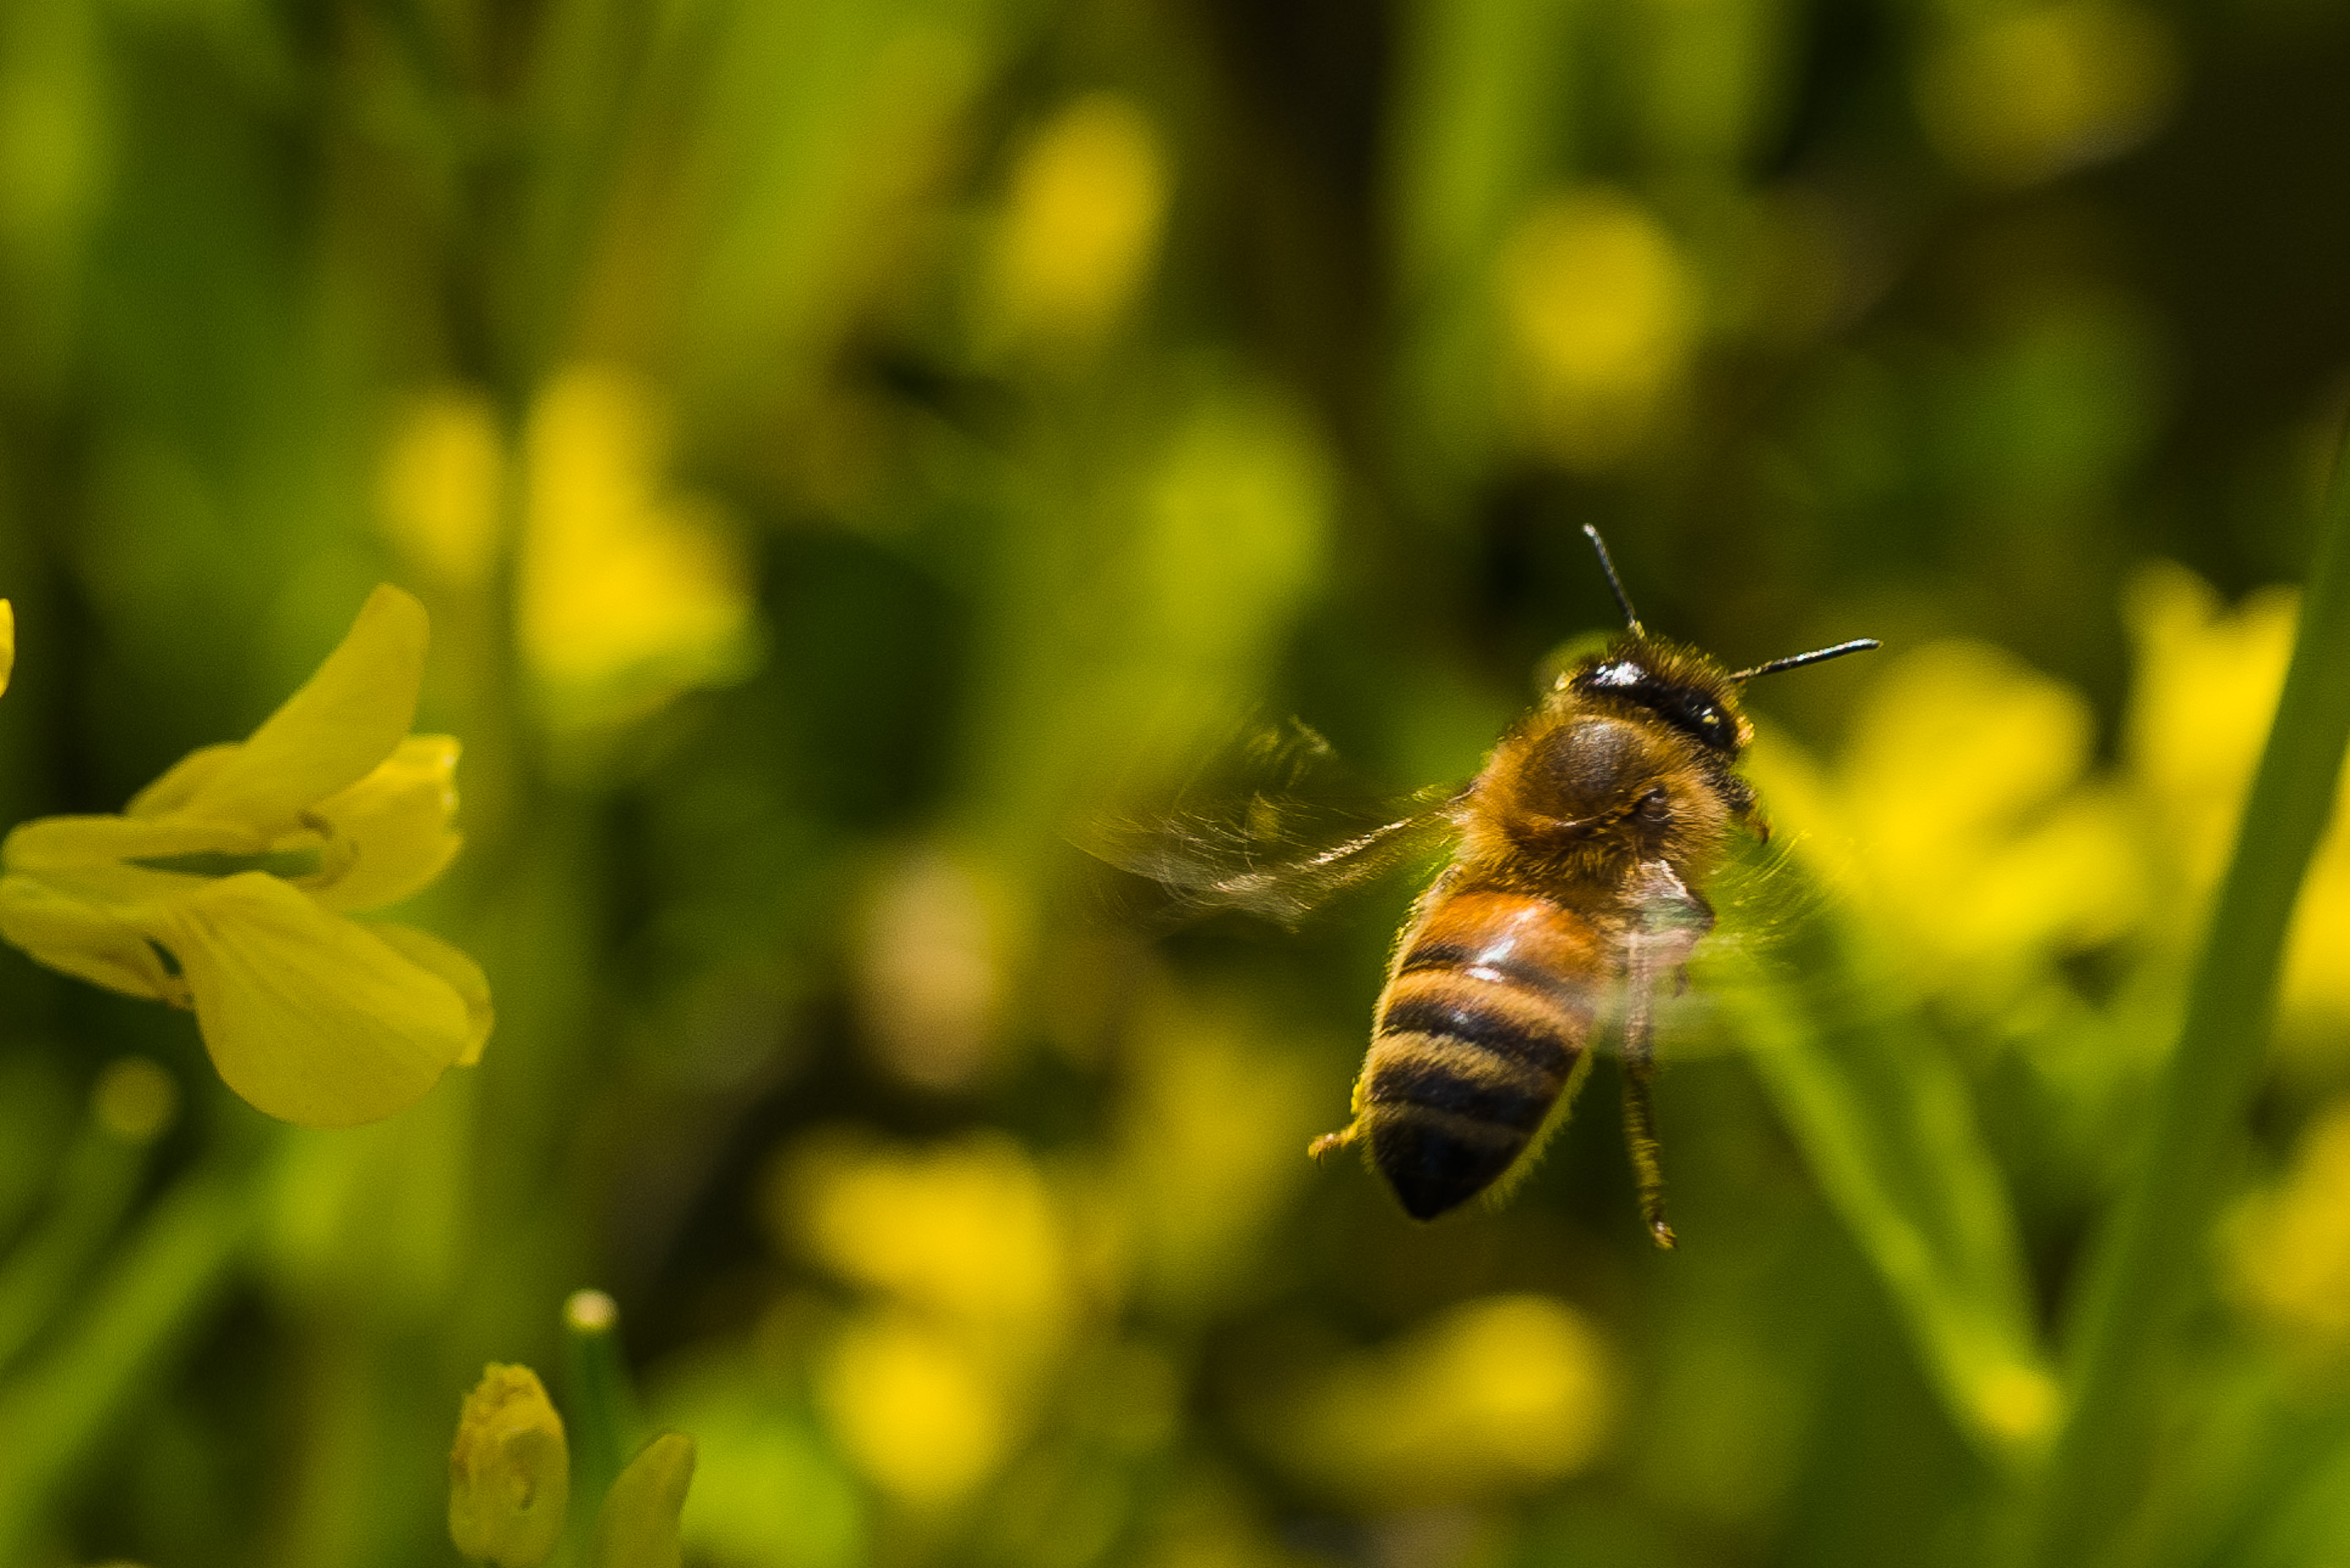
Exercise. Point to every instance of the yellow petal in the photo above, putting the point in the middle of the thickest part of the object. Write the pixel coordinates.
(637, 1526)
(95, 857)
(182, 779)
(509, 1470)
(7, 642)
(309, 1017)
(83, 940)
(397, 819)
(463, 975)
(329, 734)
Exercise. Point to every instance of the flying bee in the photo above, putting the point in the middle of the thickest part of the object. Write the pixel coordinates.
(1579, 858)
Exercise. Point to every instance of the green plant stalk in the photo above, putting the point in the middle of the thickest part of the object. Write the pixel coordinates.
(99, 1180)
(2153, 1250)
(60, 1406)
(604, 1420)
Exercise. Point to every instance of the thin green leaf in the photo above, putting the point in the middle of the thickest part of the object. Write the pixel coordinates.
(60, 1407)
(2150, 1262)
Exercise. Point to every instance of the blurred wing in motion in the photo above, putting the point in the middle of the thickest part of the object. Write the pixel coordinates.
(1275, 831)
(1672, 922)
(1773, 911)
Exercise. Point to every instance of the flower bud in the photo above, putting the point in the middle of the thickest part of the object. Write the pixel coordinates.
(637, 1527)
(509, 1471)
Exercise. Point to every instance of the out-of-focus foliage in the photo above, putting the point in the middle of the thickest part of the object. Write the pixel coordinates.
(852, 452)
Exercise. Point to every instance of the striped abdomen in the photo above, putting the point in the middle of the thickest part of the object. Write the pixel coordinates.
(1476, 1037)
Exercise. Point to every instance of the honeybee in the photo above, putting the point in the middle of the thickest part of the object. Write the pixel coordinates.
(1579, 857)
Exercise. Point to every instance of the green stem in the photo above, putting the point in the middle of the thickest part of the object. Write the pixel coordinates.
(2151, 1256)
(60, 1406)
(100, 1178)
(604, 1420)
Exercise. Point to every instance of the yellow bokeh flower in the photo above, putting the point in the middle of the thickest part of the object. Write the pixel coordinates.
(1602, 316)
(629, 592)
(7, 642)
(1964, 815)
(1495, 1397)
(2291, 1245)
(923, 1418)
(628, 589)
(1207, 1161)
(2033, 94)
(509, 1471)
(2207, 685)
(227, 885)
(968, 1261)
(965, 1233)
(1081, 225)
(439, 490)
(930, 982)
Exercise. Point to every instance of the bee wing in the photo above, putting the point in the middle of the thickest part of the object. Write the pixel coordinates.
(1763, 952)
(1277, 835)
(1209, 863)
(1774, 905)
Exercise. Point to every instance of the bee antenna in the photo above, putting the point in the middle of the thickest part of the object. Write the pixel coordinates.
(1817, 656)
(1615, 583)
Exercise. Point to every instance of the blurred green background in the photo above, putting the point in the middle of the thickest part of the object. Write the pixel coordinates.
(855, 450)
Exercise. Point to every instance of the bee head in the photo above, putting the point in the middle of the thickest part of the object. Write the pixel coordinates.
(1680, 686)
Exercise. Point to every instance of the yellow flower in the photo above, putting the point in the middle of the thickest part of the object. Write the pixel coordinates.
(509, 1470)
(7, 642)
(225, 887)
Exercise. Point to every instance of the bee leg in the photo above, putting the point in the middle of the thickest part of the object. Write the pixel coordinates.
(1640, 1137)
(1336, 1140)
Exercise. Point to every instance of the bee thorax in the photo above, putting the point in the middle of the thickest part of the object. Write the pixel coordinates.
(1584, 769)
